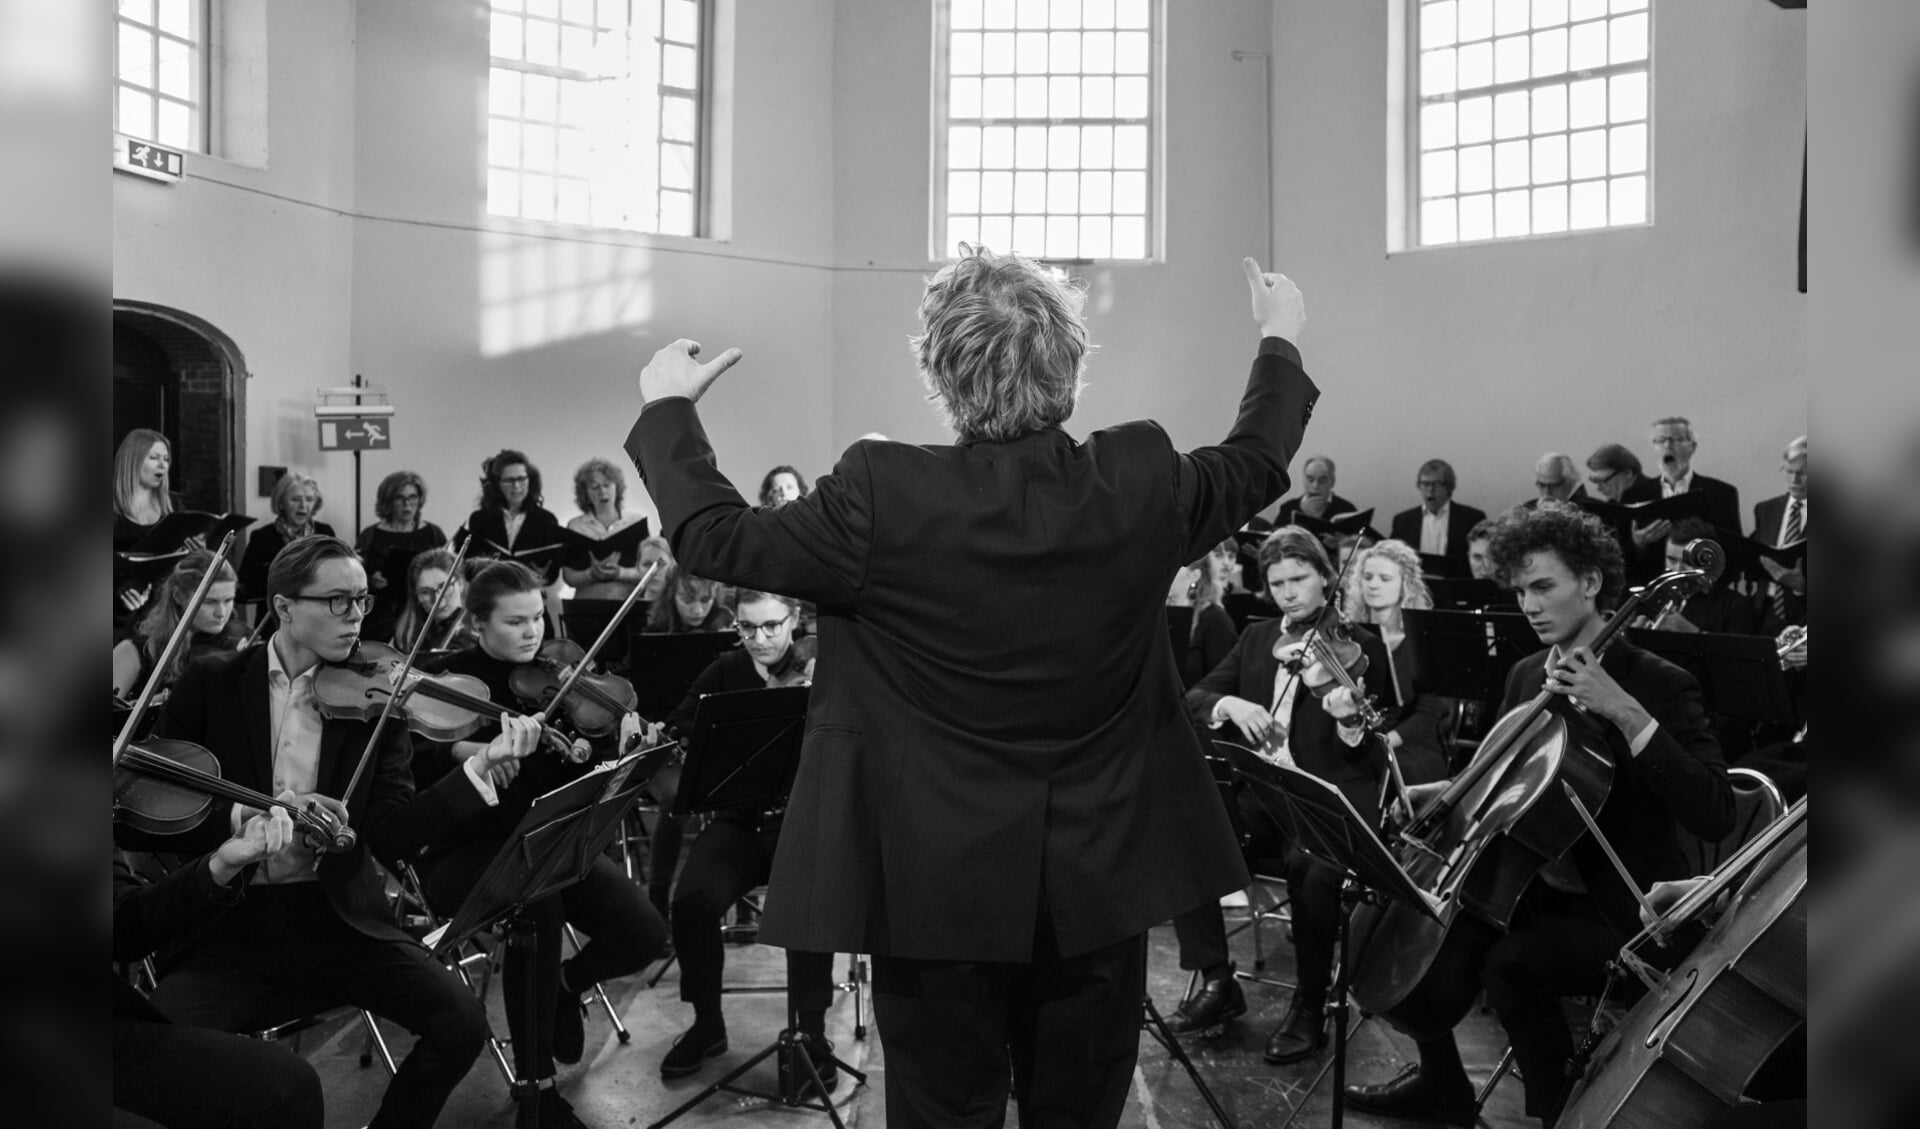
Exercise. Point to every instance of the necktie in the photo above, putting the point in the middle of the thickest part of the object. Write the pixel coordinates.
(1793, 534)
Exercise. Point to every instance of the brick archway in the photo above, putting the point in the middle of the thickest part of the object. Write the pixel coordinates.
(182, 371)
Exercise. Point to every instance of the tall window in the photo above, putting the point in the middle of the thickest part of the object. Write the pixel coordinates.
(160, 72)
(595, 112)
(1046, 145)
(1532, 117)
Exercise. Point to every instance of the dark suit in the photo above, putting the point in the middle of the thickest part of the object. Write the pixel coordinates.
(263, 544)
(1767, 518)
(1460, 520)
(330, 941)
(540, 528)
(1290, 507)
(997, 772)
(1723, 500)
(1642, 564)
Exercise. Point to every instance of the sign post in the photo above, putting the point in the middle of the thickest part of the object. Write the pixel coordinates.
(365, 424)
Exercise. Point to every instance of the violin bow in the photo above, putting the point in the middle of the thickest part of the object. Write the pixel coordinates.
(1593, 828)
(259, 629)
(180, 631)
(400, 679)
(606, 633)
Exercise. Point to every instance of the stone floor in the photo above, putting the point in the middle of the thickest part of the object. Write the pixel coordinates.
(619, 1085)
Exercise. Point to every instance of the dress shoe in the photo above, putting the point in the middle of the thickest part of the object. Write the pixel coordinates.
(1302, 1032)
(794, 1077)
(1206, 1012)
(569, 1028)
(1413, 1095)
(691, 1050)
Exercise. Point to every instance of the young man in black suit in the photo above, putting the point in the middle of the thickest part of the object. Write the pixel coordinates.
(1438, 526)
(1668, 780)
(315, 928)
(1673, 440)
(999, 793)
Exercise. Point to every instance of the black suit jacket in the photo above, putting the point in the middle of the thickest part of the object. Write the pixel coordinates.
(1249, 671)
(1460, 520)
(1723, 505)
(1677, 784)
(1767, 516)
(221, 703)
(1642, 564)
(541, 528)
(995, 722)
(1284, 516)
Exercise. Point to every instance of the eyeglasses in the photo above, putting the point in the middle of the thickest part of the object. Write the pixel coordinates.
(768, 629)
(1425, 483)
(1603, 479)
(1539, 485)
(406, 497)
(516, 480)
(339, 602)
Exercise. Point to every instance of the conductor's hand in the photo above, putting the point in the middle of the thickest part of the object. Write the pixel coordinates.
(1278, 308)
(1253, 722)
(674, 372)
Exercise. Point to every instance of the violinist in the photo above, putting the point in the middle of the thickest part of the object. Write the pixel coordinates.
(1668, 779)
(735, 852)
(450, 628)
(172, 1075)
(503, 602)
(1384, 579)
(1252, 696)
(317, 925)
(215, 630)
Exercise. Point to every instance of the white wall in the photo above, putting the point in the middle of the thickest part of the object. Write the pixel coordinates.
(1489, 355)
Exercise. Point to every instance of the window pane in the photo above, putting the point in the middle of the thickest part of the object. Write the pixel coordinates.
(1096, 50)
(1476, 168)
(1030, 52)
(1096, 147)
(1510, 114)
(1629, 203)
(542, 96)
(1096, 192)
(1063, 192)
(1510, 16)
(141, 10)
(1064, 13)
(506, 37)
(1476, 19)
(996, 98)
(1628, 95)
(1063, 148)
(1512, 214)
(136, 114)
(998, 13)
(1587, 154)
(1587, 103)
(1550, 159)
(503, 92)
(1587, 46)
(1130, 147)
(176, 124)
(177, 69)
(1475, 65)
(961, 229)
(1096, 237)
(1096, 97)
(1549, 109)
(1629, 39)
(1550, 210)
(1131, 52)
(1030, 147)
(503, 192)
(537, 145)
(1031, 13)
(176, 18)
(996, 192)
(1030, 96)
(1063, 52)
(677, 120)
(1548, 13)
(1030, 236)
(1476, 217)
(996, 232)
(1437, 222)
(1586, 9)
(503, 144)
(1436, 24)
(1476, 120)
(1436, 125)
(683, 21)
(963, 191)
(1511, 59)
(1510, 164)
(1063, 96)
(996, 147)
(1628, 146)
(1097, 13)
(996, 53)
(1129, 97)
(1628, 5)
(963, 55)
(1436, 174)
(963, 147)
(543, 43)
(536, 196)
(1436, 72)
(1063, 237)
(676, 213)
(1030, 192)
(136, 56)
(1129, 237)
(1129, 193)
(1587, 205)
(576, 49)
(963, 98)
(546, 8)
(679, 66)
(1549, 52)
(1130, 13)
(575, 205)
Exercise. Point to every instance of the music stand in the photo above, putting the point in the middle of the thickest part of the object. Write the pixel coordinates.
(663, 666)
(1321, 821)
(553, 847)
(1740, 676)
(1459, 593)
(1247, 607)
(1465, 654)
(744, 751)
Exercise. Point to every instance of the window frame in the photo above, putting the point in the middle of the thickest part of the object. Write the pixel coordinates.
(1410, 175)
(200, 106)
(1153, 216)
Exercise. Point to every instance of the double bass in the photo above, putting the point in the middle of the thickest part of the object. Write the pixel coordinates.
(1477, 846)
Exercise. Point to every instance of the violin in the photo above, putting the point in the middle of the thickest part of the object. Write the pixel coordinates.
(598, 700)
(439, 707)
(1478, 845)
(168, 788)
(1328, 656)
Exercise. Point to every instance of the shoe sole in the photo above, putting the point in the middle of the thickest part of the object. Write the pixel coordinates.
(1213, 1030)
(1289, 1060)
(714, 1051)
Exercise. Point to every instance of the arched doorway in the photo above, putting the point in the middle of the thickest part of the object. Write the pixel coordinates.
(182, 377)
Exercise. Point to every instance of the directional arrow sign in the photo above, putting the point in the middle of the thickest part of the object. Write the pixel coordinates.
(356, 434)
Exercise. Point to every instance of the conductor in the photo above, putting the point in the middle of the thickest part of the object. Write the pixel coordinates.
(999, 791)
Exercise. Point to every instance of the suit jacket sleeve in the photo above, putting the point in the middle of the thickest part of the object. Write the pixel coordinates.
(1219, 682)
(1218, 488)
(1683, 763)
(395, 821)
(814, 548)
(147, 918)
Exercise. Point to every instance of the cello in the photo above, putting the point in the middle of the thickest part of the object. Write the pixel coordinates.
(1478, 845)
(1688, 1049)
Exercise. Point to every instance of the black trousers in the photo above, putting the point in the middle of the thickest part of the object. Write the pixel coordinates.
(624, 933)
(1066, 1029)
(726, 861)
(285, 944)
(1559, 946)
(168, 1075)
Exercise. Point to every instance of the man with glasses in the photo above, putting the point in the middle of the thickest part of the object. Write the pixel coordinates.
(313, 931)
(999, 793)
(1673, 439)
(1616, 476)
(1555, 480)
(1438, 526)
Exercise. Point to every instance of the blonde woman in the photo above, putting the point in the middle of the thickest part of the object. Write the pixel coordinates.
(296, 501)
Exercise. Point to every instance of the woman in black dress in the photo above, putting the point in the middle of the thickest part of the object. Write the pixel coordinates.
(401, 531)
(296, 501)
(513, 519)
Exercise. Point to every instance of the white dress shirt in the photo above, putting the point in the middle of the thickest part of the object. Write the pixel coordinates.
(1433, 530)
(1671, 486)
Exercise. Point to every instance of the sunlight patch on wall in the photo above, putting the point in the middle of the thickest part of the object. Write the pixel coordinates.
(540, 292)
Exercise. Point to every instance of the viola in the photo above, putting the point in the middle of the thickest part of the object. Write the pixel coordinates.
(1477, 846)
(597, 700)
(168, 788)
(439, 707)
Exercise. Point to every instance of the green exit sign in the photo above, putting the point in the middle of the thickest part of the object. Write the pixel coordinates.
(144, 158)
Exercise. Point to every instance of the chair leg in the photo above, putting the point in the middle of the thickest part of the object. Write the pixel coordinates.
(494, 1042)
(1499, 1072)
(600, 993)
(375, 1041)
(856, 982)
